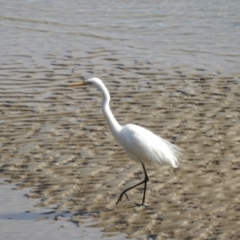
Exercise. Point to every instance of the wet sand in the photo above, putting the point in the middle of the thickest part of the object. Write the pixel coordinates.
(56, 141)
(21, 220)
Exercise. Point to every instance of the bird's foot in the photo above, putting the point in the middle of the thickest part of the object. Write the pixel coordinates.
(120, 198)
(140, 205)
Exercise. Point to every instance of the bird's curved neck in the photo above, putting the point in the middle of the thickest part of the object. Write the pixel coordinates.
(114, 126)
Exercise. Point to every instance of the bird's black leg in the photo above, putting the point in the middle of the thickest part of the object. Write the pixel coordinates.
(145, 187)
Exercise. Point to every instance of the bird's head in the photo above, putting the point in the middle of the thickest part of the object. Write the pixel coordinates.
(91, 81)
(96, 82)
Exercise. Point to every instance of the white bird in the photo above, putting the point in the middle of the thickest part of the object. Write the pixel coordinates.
(140, 144)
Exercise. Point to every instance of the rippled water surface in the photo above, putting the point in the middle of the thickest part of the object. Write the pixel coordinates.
(172, 67)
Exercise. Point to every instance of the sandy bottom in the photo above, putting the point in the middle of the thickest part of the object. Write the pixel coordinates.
(172, 68)
(56, 141)
(20, 220)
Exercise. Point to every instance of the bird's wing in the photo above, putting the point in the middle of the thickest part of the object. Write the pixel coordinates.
(144, 146)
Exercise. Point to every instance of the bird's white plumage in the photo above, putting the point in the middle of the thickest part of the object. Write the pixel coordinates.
(141, 145)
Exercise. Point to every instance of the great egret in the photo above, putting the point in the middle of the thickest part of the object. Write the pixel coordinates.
(140, 144)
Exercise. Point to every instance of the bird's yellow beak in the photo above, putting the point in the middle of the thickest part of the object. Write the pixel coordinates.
(77, 84)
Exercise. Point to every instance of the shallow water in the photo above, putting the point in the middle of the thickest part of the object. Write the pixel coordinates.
(20, 219)
(173, 68)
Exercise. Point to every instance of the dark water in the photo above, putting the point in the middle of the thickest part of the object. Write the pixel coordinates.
(189, 34)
